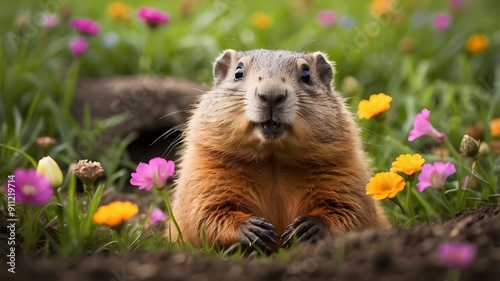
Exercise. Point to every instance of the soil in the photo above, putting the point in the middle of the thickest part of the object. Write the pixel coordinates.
(394, 254)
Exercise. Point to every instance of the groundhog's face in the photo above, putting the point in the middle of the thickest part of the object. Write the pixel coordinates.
(275, 99)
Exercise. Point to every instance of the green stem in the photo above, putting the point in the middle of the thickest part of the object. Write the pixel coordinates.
(396, 201)
(451, 148)
(409, 204)
(447, 202)
(145, 59)
(170, 213)
(481, 171)
(424, 203)
(58, 196)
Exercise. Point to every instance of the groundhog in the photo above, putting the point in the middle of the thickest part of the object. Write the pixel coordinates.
(272, 155)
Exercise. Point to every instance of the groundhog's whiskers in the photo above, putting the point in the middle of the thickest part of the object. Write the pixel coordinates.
(182, 110)
(178, 140)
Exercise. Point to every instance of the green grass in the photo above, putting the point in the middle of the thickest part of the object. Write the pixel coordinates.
(38, 75)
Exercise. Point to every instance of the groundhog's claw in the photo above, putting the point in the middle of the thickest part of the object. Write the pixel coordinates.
(257, 232)
(305, 228)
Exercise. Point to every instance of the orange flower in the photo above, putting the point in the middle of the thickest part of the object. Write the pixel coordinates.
(407, 164)
(261, 20)
(495, 127)
(115, 213)
(385, 185)
(119, 10)
(380, 7)
(477, 43)
(377, 104)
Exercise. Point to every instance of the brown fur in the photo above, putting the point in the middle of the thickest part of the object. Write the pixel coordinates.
(229, 172)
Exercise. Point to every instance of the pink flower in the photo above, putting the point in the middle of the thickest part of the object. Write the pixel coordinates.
(155, 173)
(326, 17)
(457, 4)
(422, 126)
(49, 20)
(31, 187)
(85, 26)
(456, 255)
(442, 21)
(435, 175)
(153, 17)
(157, 216)
(78, 46)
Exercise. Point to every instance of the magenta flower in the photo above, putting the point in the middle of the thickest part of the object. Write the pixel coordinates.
(456, 255)
(85, 26)
(154, 174)
(422, 126)
(435, 175)
(326, 17)
(31, 187)
(49, 20)
(152, 17)
(441, 21)
(157, 216)
(78, 46)
(457, 4)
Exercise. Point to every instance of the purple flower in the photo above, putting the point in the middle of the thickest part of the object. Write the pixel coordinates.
(419, 19)
(157, 216)
(78, 46)
(441, 21)
(155, 173)
(153, 17)
(326, 17)
(457, 4)
(456, 255)
(422, 126)
(110, 39)
(435, 175)
(31, 187)
(85, 26)
(346, 22)
(49, 20)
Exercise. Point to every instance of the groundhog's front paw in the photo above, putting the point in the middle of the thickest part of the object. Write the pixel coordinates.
(305, 228)
(257, 232)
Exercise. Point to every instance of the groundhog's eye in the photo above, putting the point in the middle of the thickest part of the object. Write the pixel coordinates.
(305, 76)
(238, 74)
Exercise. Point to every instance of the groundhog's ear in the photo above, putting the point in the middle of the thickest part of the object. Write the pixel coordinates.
(222, 65)
(324, 69)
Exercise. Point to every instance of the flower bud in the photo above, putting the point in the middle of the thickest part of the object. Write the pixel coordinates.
(484, 149)
(45, 142)
(49, 168)
(87, 171)
(469, 146)
(351, 86)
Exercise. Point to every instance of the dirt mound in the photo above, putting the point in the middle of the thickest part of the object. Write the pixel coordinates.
(395, 254)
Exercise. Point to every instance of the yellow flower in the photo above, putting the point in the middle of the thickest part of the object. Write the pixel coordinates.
(261, 20)
(380, 7)
(477, 43)
(495, 127)
(377, 104)
(115, 213)
(119, 10)
(49, 168)
(385, 185)
(407, 164)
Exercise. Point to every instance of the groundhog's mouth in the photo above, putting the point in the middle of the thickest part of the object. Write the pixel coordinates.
(271, 129)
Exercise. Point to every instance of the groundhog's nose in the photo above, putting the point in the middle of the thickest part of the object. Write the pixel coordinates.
(272, 99)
